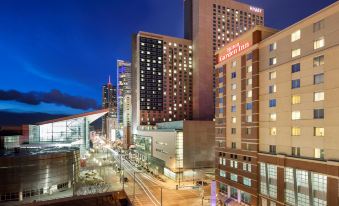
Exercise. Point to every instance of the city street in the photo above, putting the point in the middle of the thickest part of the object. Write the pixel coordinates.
(148, 188)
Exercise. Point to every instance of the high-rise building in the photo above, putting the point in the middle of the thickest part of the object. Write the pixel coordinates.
(162, 68)
(124, 101)
(276, 106)
(211, 24)
(124, 87)
(109, 101)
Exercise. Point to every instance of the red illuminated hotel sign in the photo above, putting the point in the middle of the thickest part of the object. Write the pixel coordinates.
(233, 50)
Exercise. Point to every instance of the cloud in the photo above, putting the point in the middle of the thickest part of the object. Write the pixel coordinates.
(54, 96)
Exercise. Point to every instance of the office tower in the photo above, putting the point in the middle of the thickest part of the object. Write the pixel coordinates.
(109, 101)
(211, 24)
(162, 79)
(124, 86)
(276, 122)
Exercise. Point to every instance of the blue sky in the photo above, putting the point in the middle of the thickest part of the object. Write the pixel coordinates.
(72, 45)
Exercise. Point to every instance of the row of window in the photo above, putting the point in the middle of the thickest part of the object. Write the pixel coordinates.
(296, 131)
(295, 151)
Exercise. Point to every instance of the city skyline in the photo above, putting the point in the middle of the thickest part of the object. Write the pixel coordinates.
(63, 54)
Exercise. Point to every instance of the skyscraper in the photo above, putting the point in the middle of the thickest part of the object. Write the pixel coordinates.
(211, 24)
(162, 79)
(109, 101)
(124, 86)
(124, 101)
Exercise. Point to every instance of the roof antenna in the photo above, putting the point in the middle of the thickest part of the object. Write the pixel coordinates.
(109, 79)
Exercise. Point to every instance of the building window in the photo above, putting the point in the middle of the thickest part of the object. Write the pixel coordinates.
(234, 63)
(273, 61)
(234, 164)
(249, 56)
(273, 75)
(318, 61)
(222, 173)
(273, 117)
(234, 120)
(296, 68)
(295, 83)
(234, 86)
(318, 25)
(234, 97)
(249, 118)
(273, 46)
(248, 131)
(319, 153)
(319, 43)
(249, 94)
(234, 145)
(233, 130)
(273, 131)
(319, 131)
(272, 103)
(295, 36)
(296, 151)
(296, 131)
(234, 177)
(247, 181)
(233, 75)
(249, 69)
(295, 99)
(249, 81)
(273, 149)
(296, 115)
(295, 52)
(318, 113)
(319, 96)
(272, 89)
(319, 78)
(249, 106)
(247, 167)
(233, 109)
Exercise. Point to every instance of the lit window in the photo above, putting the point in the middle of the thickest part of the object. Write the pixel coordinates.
(319, 131)
(234, 177)
(234, 86)
(295, 36)
(249, 81)
(295, 52)
(273, 116)
(273, 46)
(222, 173)
(249, 69)
(272, 89)
(273, 131)
(234, 120)
(273, 75)
(249, 118)
(319, 153)
(234, 63)
(247, 181)
(273, 61)
(249, 94)
(319, 96)
(319, 43)
(234, 97)
(296, 115)
(296, 131)
(295, 99)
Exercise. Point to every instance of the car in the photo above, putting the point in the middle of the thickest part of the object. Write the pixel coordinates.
(125, 179)
(201, 183)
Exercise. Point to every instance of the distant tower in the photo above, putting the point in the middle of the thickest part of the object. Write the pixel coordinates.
(109, 101)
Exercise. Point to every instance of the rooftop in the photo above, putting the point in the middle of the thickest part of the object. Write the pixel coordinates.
(31, 151)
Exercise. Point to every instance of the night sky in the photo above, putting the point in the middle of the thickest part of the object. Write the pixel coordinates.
(56, 54)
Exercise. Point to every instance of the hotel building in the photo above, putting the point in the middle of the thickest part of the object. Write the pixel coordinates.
(211, 24)
(276, 122)
(162, 79)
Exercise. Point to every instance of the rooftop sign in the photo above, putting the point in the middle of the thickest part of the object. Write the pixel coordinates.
(233, 50)
(256, 9)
